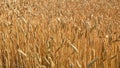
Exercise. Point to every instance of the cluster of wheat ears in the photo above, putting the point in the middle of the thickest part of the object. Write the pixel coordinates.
(59, 34)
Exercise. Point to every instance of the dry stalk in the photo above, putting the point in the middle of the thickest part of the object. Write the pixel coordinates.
(92, 62)
(47, 61)
(62, 43)
(51, 62)
(114, 56)
(23, 53)
(74, 48)
(78, 64)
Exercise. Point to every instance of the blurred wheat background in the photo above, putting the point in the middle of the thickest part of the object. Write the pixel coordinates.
(59, 34)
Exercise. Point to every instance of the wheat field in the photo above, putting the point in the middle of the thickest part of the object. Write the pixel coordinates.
(59, 34)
